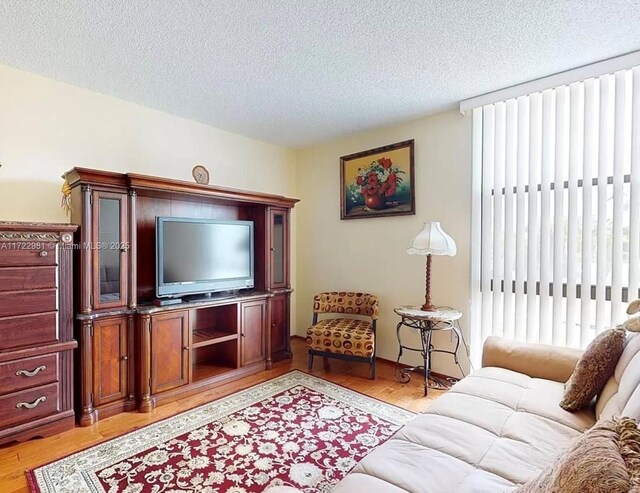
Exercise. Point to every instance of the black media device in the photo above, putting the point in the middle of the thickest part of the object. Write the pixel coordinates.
(167, 301)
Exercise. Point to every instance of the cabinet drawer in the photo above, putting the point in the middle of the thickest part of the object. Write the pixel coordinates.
(14, 254)
(28, 372)
(28, 405)
(28, 330)
(26, 302)
(26, 278)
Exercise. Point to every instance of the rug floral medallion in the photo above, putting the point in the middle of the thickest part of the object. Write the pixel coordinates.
(295, 430)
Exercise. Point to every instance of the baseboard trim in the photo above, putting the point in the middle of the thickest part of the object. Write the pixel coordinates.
(402, 365)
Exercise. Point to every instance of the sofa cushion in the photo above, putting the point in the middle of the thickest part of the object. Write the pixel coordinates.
(605, 458)
(492, 431)
(401, 465)
(531, 395)
(364, 482)
(621, 394)
(594, 369)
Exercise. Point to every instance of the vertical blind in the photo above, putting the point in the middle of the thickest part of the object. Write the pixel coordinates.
(556, 206)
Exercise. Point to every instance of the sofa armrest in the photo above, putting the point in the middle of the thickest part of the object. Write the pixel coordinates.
(536, 360)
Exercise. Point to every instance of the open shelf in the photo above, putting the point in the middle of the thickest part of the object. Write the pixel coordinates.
(214, 325)
(214, 359)
(203, 371)
(206, 337)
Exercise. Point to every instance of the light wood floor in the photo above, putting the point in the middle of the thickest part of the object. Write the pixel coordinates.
(14, 459)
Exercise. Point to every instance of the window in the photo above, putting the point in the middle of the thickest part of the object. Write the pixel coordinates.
(556, 211)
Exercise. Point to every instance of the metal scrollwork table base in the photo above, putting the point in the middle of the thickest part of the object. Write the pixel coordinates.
(428, 322)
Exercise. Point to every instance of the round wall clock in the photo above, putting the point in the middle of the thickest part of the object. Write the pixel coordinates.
(200, 174)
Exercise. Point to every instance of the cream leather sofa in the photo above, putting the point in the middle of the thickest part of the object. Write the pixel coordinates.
(496, 428)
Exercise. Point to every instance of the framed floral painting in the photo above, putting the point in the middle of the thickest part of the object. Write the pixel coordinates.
(378, 182)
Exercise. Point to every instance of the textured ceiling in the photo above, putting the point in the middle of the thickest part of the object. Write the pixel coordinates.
(299, 72)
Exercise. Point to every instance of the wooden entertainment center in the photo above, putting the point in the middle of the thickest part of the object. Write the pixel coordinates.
(135, 355)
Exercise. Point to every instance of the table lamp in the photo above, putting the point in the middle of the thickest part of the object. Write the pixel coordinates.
(432, 240)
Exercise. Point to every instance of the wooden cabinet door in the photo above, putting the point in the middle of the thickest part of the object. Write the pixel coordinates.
(110, 249)
(110, 360)
(169, 351)
(279, 248)
(280, 325)
(252, 332)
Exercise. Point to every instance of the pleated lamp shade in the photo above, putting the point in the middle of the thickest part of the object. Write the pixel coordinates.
(432, 240)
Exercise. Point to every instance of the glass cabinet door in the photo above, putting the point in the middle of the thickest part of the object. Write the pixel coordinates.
(279, 249)
(110, 249)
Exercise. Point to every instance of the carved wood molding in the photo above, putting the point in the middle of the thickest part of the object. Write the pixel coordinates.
(136, 183)
(34, 231)
(19, 236)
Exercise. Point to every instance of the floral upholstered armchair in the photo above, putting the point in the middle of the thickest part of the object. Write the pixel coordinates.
(348, 338)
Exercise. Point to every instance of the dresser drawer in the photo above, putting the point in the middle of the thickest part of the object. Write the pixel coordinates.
(28, 372)
(29, 405)
(14, 254)
(25, 278)
(26, 302)
(28, 330)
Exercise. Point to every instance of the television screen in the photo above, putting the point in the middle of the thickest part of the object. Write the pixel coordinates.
(200, 256)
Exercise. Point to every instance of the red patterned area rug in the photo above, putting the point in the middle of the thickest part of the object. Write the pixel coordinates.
(295, 430)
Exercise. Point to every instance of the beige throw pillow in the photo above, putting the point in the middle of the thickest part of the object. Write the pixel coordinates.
(633, 323)
(605, 458)
(594, 368)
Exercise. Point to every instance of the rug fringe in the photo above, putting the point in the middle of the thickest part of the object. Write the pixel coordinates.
(31, 481)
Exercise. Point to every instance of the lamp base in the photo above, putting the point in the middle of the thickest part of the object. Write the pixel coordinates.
(427, 307)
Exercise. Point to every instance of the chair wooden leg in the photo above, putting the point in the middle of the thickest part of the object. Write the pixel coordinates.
(310, 361)
(373, 369)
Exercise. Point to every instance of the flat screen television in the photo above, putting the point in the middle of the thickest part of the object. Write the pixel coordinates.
(201, 256)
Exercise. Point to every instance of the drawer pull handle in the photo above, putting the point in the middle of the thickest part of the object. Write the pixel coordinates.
(44, 253)
(32, 373)
(31, 405)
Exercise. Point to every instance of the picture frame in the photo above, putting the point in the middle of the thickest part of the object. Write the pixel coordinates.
(378, 182)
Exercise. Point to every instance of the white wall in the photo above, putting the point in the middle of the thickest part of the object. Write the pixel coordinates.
(48, 127)
(369, 254)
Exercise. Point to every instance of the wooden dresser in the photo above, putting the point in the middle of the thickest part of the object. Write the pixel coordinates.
(36, 329)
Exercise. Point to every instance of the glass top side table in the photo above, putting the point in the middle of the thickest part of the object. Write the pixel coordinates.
(427, 322)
